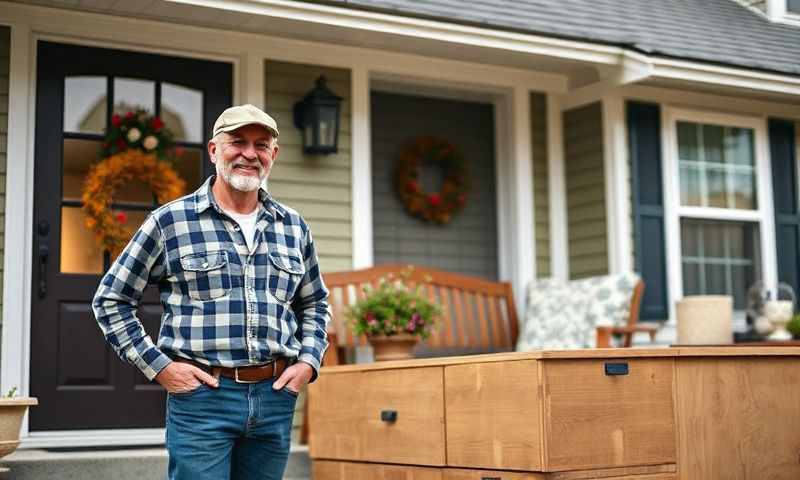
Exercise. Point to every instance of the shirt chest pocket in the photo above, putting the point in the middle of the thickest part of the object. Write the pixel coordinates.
(206, 275)
(285, 273)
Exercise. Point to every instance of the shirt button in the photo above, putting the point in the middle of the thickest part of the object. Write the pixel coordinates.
(205, 264)
(236, 228)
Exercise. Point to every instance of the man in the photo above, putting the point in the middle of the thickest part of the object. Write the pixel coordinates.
(245, 310)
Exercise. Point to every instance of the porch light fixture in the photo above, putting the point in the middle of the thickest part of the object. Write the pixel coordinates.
(317, 117)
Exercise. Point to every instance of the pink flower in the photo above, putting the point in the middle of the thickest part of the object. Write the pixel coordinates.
(371, 320)
(416, 318)
(411, 326)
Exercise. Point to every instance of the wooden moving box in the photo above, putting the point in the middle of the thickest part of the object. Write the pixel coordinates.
(642, 414)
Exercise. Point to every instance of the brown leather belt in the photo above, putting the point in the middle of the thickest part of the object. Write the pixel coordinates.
(248, 374)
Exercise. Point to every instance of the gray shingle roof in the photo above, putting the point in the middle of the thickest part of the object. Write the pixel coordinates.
(715, 31)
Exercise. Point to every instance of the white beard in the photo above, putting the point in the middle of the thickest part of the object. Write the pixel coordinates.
(243, 183)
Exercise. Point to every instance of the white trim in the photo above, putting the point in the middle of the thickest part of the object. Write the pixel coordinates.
(502, 134)
(253, 86)
(617, 187)
(764, 216)
(556, 182)
(361, 169)
(522, 199)
(419, 28)
(94, 438)
(778, 11)
(19, 214)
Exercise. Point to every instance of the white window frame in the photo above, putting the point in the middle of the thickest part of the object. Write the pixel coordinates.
(778, 11)
(674, 211)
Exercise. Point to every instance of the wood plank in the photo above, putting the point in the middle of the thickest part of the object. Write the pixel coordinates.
(464, 474)
(330, 470)
(588, 353)
(418, 435)
(645, 472)
(508, 434)
(738, 418)
(595, 420)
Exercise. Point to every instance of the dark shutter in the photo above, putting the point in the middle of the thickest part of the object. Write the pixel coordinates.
(784, 180)
(644, 143)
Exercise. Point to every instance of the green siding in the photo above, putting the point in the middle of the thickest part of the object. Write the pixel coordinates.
(317, 186)
(585, 182)
(540, 184)
(5, 41)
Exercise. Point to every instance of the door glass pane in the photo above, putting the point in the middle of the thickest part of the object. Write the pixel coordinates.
(131, 94)
(80, 251)
(720, 258)
(182, 112)
(85, 104)
(78, 156)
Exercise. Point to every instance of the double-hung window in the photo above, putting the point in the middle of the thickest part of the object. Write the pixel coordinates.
(719, 208)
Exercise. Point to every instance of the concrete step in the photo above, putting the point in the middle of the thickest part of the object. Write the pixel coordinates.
(117, 464)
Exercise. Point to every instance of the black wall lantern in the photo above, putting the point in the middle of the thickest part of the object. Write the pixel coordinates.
(317, 117)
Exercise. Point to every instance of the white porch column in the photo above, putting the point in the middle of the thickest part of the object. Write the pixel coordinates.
(557, 188)
(523, 242)
(361, 169)
(19, 196)
(254, 87)
(615, 163)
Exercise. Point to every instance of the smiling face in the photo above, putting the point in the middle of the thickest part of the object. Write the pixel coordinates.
(243, 157)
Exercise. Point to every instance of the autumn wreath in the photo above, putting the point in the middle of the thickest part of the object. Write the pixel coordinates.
(137, 147)
(435, 207)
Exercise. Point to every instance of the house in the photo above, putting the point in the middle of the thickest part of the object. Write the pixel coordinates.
(599, 137)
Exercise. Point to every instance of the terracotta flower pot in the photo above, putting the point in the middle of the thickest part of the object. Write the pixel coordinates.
(11, 412)
(394, 347)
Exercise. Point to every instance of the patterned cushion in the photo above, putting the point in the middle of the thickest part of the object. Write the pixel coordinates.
(609, 298)
(564, 314)
(551, 313)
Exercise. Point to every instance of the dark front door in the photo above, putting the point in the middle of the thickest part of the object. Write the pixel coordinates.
(80, 382)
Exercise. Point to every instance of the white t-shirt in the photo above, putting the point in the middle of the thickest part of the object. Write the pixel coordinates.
(247, 222)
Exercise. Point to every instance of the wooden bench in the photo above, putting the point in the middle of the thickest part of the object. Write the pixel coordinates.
(479, 315)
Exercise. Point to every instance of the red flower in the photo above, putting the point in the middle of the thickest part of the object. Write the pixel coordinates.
(121, 144)
(462, 199)
(157, 124)
(116, 120)
(435, 199)
(122, 217)
(129, 115)
(178, 151)
(412, 186)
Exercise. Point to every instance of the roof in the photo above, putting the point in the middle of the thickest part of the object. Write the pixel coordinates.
(715, 31)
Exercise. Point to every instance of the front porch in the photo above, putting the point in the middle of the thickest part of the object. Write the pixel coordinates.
(586, 150)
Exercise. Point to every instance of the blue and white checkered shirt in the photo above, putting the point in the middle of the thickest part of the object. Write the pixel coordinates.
(224, 305)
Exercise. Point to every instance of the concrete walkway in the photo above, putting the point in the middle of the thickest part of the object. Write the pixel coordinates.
(116, 464)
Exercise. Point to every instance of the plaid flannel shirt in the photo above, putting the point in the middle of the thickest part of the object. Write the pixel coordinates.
(224, 305)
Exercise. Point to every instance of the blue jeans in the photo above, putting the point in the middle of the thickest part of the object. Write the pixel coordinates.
(237, 431)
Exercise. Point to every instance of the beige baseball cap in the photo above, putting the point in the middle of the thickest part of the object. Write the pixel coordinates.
(241, 115)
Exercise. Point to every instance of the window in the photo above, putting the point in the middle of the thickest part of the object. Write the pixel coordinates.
(793, 6)
(719, 208)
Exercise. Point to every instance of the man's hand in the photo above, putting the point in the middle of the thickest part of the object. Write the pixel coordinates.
(294, 377)
(179, 377)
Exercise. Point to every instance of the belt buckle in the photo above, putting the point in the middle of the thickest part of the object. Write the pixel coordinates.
(238, 380)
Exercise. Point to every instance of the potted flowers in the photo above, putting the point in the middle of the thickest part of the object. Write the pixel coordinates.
(394, 316)
(12, 409)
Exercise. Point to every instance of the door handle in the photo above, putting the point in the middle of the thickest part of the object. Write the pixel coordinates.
(613, 369)
(44, 255)
(389, 416)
